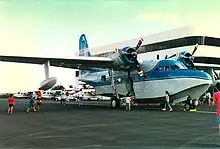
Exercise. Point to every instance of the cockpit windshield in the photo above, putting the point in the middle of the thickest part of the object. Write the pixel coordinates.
(178, 65)
(170, 65)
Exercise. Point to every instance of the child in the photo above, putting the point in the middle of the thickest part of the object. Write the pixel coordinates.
(128, 102)
(31, 102)
(167, 101)
(10, 104)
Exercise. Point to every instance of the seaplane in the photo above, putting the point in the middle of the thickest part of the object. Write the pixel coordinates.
(122, 71)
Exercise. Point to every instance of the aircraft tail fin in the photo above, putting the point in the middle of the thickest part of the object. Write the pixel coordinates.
(83, 51)
(83, 46)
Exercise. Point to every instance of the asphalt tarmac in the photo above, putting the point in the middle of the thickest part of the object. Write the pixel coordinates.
(70, 126)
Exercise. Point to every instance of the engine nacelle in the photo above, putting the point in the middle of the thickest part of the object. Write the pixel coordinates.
(48, 83)
(186, 58)
(124, 61)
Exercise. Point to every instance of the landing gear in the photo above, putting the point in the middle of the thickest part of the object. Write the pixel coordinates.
(190, 105)
(115, 102)
(129, 85)
(187, 106)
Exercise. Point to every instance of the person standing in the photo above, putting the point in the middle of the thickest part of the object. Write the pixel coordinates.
(217, 101)
(31, 102)
(80, 97)
(10, 104)
(39, 100)
(167, 101)
(67, 96)
(209, 96)
(62, 100)
(128, 102)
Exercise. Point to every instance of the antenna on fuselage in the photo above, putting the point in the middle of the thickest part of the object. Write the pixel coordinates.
(158, 56)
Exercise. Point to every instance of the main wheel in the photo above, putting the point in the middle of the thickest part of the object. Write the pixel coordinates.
(115, 103)
(187, 106)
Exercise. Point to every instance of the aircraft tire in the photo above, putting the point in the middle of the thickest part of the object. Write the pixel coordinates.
(115, 103)
(187, 106)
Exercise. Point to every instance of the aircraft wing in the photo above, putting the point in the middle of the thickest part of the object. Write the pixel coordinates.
(77, 62)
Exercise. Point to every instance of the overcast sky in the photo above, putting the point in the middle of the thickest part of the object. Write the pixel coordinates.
(52, 28)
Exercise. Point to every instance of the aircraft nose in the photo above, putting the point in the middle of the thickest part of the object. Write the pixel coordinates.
(203, 75)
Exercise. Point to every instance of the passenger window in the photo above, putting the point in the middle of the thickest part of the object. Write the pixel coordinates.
(167, 68)
(159, 68)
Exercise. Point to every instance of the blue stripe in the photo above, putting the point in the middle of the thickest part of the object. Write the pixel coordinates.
(155, 75)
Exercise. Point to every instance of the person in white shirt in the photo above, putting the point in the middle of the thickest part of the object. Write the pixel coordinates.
(209, 96)
(167, 101)
(80, 97)
(62, 100)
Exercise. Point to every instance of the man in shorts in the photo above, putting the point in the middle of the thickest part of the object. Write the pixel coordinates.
(217, 101)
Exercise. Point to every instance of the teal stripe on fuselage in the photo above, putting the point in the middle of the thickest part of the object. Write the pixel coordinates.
(154, 75)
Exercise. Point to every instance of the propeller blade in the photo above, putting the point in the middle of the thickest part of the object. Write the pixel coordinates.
(195, 48)
(172, 56)
(216, 74)
(140, 72)
(139, 44)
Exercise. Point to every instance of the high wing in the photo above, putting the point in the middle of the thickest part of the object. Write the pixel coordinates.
(77, 62)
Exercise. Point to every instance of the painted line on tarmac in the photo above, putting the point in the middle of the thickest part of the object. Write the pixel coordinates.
(209, 112)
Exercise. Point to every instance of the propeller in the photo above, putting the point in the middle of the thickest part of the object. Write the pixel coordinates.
(131, 54)
(186, 57)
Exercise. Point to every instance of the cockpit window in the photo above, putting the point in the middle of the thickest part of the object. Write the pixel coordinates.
(181, 66)
(174, 67)
(178, 66)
